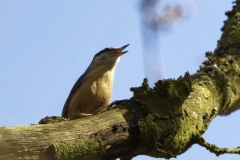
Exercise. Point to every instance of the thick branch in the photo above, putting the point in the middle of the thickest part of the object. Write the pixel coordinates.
(107, 135)
(163, 121)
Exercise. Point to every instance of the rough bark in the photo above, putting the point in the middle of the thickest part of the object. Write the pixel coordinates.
(107, 135)
(163, 121)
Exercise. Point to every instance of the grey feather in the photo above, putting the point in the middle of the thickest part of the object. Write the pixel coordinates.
(76, 86)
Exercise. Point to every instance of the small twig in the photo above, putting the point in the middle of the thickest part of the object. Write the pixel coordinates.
(216, 150)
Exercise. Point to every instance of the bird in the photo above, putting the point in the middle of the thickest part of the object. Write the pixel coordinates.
(93, 90)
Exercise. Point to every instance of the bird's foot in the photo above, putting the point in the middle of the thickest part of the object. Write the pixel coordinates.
(98, 111)
(82, 115)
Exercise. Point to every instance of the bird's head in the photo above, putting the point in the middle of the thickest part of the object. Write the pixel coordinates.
(108, 57)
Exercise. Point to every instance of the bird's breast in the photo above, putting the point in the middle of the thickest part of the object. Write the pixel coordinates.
(95, 92)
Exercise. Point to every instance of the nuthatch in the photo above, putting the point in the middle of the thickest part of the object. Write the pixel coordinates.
(93, 90)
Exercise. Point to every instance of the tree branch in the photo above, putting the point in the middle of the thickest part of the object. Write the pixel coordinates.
(163, 121)
(217, 150)
(107, 135)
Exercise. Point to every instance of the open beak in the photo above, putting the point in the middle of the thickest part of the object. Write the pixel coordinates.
(122, 48)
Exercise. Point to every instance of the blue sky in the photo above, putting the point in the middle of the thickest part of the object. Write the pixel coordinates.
(46, 45)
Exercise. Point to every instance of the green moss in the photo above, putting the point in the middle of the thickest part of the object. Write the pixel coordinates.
(17, 157)
(163, 103)
(229, 42)
(143, 93)
(52, 119)
(177, 108)
(91, 149)
(4, 158)
(166, 94)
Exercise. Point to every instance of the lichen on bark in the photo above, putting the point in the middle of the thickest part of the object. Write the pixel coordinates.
(89, 149)
(165, 115)
(179, 111)
(165, 122)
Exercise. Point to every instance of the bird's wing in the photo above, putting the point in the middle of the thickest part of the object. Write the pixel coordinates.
(76, 86)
